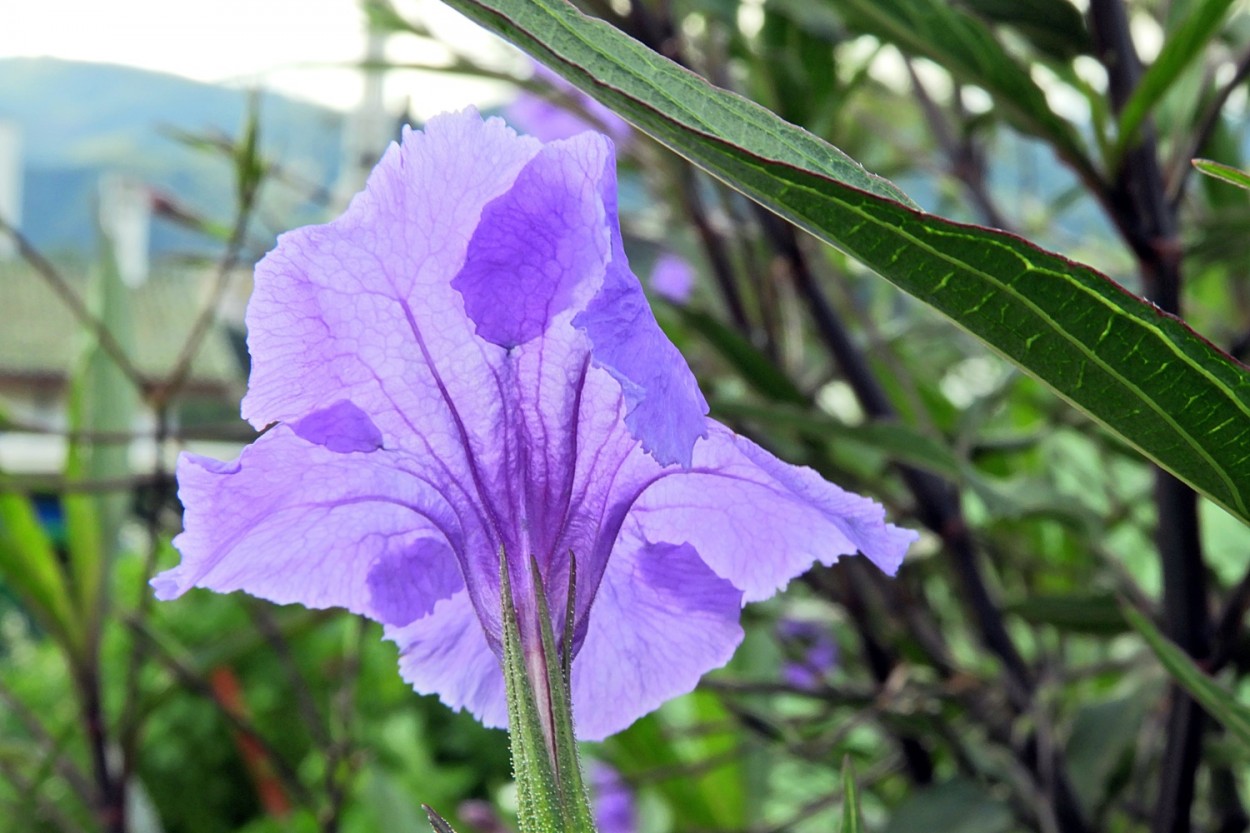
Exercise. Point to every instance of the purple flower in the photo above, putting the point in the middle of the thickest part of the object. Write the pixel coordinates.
(810, 649)
(672, 278)
(564, 113)
(463, 364)
(612, 799)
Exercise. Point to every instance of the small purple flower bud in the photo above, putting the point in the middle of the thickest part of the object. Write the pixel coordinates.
(672, 278)
(810, 650)
(612, 799)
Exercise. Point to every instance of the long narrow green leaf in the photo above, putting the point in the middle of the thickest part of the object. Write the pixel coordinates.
(1142, 373)
(851, 820)
(1224, 173)
(1181, 47)
(102, 402)
(1054, 27)
(898, 442)
(437, 822)
(752, 365)
(1218, 702)
(28, 565)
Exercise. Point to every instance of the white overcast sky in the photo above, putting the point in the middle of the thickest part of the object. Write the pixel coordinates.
(284, 45)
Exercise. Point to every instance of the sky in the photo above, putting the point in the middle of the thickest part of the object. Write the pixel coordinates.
(285, 45)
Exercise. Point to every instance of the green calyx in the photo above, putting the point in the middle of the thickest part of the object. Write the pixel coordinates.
(551, 795)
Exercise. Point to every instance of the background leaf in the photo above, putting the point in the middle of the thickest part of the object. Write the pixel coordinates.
(957, 806)
(102, 408)
(1183, 45)
(28, 564)
(1054, 27)
(966, 47)
(852, 822)
(439, 823)
(1224, 173)
(1218, 702)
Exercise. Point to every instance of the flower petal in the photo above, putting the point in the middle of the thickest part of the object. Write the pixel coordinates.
(446, 654)
(538, 243)
(362, 308)
(662, 619)
(665, 409)
(759, 522)
(563, 469)
(404, 585)
(292, 521)
(342, 427)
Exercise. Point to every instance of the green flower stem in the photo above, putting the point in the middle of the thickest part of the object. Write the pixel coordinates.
(551, 796)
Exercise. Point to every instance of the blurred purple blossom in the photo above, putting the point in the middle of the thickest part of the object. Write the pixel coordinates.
(810, 649)
(463, 364)
(482, 816)
(563, 112)
(612, 799)
(672, 278)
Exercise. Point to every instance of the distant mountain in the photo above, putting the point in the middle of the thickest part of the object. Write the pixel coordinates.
(79, 121)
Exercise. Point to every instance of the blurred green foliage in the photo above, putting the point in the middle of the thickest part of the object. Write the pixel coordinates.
(1005, 681)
